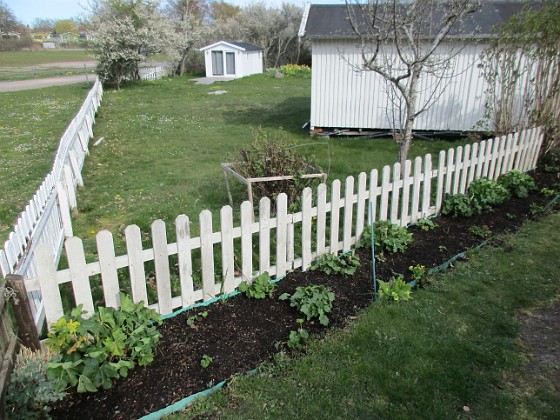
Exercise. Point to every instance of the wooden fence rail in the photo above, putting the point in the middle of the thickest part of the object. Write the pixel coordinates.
(46, 218)
(330, 221)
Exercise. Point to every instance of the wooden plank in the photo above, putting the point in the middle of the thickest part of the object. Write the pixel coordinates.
(64, 207)
(5, 268)
(161, 262)
(348, 213)
(207, 255)
(481, 160)
(510, 152)
(321, 218)
(46, 273)
(416, 186)
(184, 255)
(427, 186)
(136, 264)
(76, 168)
(385, 189)
(373, 193)
(246, 241)
(465, 169)
(473, 164)
(440, 181)
(290, 244)
(493, 158)
(306, 225)
(361, 204)
(228, 255)
(458, 169)
(80, 280)
(335, 216)
(70, 187)
(395, 193)
(500, 157)
(27, 332)
(108, 266)
(281, 234)
(540, 138)
(521, 145)
(264, 235)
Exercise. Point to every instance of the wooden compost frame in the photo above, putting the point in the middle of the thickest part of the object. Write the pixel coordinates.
(227, 167)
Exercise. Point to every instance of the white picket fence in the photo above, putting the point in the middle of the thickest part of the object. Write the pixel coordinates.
(46, 218)
(153, 73)
(321, 227)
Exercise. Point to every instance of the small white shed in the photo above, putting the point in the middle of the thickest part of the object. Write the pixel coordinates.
(232, 59)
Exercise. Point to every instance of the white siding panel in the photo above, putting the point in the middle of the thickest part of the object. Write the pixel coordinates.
(344, 97)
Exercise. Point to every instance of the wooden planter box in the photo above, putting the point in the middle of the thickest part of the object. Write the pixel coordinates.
(228, 169)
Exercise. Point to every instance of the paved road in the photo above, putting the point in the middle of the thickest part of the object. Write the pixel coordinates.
(45, 82)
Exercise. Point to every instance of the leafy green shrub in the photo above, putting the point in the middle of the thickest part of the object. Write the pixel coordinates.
(517, 183)
(94, 351)
(191, 320)
(343, 264)
(30, 392)
(274, 155)
(480, 231)
(396, 290)
(260, 288)
(313, 301)
(486, 193)
(388, 237)
(418, 272)
(456, 205)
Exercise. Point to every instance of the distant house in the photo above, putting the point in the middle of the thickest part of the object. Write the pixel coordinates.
(232, 59)
(344, 97)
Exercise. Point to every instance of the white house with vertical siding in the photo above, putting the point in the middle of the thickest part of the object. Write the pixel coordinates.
(230, 59)
(343, 96)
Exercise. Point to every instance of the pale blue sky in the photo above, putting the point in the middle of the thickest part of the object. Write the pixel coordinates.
(27, 10)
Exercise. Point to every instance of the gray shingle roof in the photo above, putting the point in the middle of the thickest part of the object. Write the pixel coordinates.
(332, 21)
(246, 46)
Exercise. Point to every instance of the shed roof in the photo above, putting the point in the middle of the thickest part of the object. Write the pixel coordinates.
(242, 46)
(323, 21)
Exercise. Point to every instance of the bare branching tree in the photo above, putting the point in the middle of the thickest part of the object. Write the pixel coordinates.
(404, 41)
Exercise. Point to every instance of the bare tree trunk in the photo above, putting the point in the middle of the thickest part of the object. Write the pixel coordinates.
(410, 110)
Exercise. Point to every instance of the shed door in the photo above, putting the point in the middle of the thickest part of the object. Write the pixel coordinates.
(217, 63)
(230, 63)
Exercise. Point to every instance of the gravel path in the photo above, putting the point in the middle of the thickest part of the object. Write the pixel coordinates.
(15, 85)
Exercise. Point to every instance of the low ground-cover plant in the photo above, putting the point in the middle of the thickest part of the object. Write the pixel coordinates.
(92, 352)
(517, 183)
(192, 320)
(343, 264)
(480, 231)
(395, 289)
(388, 237)
(457, 205)
(260, 288)
(313, 301)
(206, 361)
(30, 393)
(298, 338)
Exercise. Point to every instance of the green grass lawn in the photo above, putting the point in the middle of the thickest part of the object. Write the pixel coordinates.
(164, 142)
(33, 58)
(31, 125)
(456, 344)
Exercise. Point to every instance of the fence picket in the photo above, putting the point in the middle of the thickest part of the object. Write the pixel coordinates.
(161, 262)
(80, 280)
(182, 231)
(416, 185)
(458, 169)
(281, 234)
(465, 168)
(108, 268)
(385, 190)
(348, 213)
(473, 163)
(427, 186)
(508, 162)
(521, 150)
(228, 255)
(335, 214)
(306, 225)
(405, 202)
(321, 218)
(207, 255)
(440, 181)
(46, 274)
(264, 235)
(493, 157)
(361, 204)
(395, 192)
(501, 154)
(373, 194)
(133, 239)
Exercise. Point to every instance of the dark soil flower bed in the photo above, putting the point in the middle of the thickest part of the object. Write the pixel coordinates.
(240, 333)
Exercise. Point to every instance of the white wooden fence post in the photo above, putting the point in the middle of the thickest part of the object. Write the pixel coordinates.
(321, 218)
(264, 235)
(161, 262)
(64, 210)
(335, 216)
(46, 273)
(136, 264)
(247, 241)
(228, 255)
(306, 225)
(207, 255)
(281, 234)
(108, 267)
(78, 273)
(348, 213)
(182, 230)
